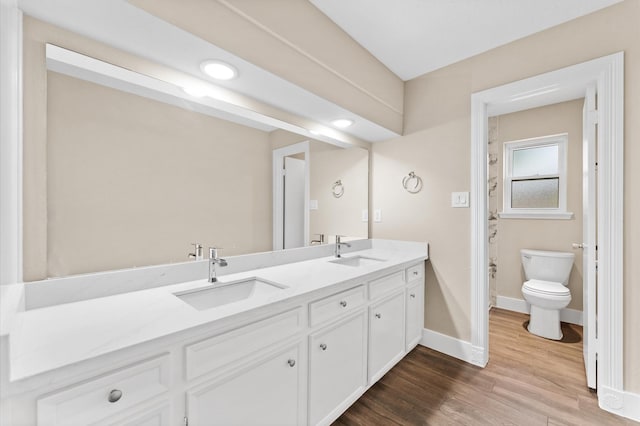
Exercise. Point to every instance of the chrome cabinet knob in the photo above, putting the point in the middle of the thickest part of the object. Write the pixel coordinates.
(412, 295)
(343, 303)
(115, 395)
(323, 346)
(291, 362)
(378, 316)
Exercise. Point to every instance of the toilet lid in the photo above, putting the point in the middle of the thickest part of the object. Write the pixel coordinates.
(547, 287)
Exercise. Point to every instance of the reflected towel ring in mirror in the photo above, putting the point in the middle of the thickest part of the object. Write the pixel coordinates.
(337, 189)
(412, 183)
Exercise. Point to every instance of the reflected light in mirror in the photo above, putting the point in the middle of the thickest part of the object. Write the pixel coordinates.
(219, 70)
(342, 123)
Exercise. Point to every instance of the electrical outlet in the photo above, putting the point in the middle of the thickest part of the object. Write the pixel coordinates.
(313, 204)
(365, 215)
(377, 215)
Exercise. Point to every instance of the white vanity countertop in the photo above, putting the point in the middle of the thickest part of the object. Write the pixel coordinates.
(46, 339)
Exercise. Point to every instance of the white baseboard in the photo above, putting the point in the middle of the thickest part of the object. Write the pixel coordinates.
(572, 316)
(625, 404)
(447, 345)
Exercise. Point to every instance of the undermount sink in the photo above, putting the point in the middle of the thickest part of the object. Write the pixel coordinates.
(356, 261)
(219, 294)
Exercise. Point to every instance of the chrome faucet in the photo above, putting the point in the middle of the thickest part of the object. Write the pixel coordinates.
(340, 244)
(320, 239)
(197, 251)
(213, 261)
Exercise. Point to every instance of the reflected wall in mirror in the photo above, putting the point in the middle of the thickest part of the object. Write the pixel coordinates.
(306, 208)
(133, 182)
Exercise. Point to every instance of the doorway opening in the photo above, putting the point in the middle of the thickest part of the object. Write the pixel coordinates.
(541, 210)
(607, 74)
(291, 196)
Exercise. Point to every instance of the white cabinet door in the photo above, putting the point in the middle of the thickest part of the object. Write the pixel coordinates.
(268, 392)
(386, 335)
(415, 313)
(337, 368)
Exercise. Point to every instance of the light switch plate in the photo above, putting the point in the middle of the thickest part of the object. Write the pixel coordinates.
(377, 215)
(313, 204)
(460, 199)
(365, 215)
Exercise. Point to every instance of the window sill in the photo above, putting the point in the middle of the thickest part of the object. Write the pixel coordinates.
(536, 215)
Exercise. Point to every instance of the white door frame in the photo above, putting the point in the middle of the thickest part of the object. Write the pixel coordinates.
(10, 142)
(278, 192)
(545, 89)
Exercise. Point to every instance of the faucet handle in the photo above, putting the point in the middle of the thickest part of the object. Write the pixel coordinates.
(213, 252)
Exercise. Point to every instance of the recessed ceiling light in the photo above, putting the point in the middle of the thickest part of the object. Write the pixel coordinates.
(219, 70)
(342, 123)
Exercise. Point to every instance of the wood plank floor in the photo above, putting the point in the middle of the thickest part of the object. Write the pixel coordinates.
(528, 381)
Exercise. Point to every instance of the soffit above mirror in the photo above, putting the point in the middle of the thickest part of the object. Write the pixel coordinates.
(120, 24)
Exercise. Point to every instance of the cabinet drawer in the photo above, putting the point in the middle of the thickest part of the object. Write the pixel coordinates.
(89, 402)
(337, 304)
(216, 352)
(386, 284)
(415, 272)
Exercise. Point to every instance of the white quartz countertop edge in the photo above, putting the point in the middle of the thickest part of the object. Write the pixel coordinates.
(46, 339)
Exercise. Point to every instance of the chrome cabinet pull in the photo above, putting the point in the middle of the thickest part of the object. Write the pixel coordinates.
(412, 295)
(115, 395)
(291, 362)
(378, 316)
(343, 303)
(323, 346)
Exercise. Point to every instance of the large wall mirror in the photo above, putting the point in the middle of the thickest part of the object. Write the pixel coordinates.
(136, 175)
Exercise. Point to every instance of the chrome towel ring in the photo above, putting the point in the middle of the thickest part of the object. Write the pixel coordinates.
(412, 183)
(338, 188)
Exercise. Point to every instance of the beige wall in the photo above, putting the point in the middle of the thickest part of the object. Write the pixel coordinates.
(436, 145)
(132, 181)
(339, 216)
(516, 234)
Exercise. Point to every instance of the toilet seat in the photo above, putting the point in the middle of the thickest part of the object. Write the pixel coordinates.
(548, 288)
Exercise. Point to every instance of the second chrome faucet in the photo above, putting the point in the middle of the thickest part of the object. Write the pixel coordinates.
(339, 244)
(213, 261)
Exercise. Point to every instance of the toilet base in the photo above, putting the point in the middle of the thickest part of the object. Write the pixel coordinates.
(545, 323)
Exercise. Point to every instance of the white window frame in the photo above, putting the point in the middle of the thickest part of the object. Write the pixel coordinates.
(508, 212)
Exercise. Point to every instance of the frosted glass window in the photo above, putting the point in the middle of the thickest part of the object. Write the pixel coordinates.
(535, 161)
(535, 193)
(535, 176)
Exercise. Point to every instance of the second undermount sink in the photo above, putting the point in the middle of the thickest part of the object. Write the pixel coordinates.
(356, 261)
(219, 294)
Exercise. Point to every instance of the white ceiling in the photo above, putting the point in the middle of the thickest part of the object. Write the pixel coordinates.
(413, 37)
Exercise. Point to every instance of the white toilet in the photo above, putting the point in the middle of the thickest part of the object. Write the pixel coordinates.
(547, 274)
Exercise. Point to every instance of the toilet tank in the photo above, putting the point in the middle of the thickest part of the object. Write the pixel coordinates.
(547, 265)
